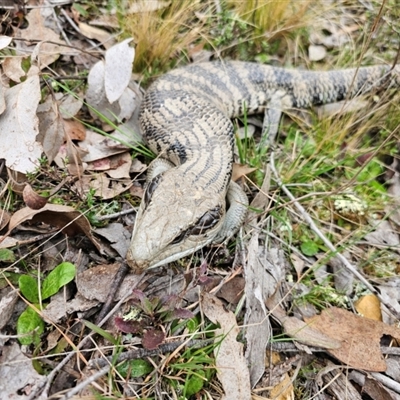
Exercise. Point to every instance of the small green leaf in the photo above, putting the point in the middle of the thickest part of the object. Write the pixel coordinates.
(309, 248)
(6, 255)
(60, 276)
(30, 321)
(134, 368)
(194, 383)
(29, 288)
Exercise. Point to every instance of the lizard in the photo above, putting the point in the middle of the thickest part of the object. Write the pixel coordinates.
(190, 200)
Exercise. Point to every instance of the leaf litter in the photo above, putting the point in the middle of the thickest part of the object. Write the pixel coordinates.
(48, 123)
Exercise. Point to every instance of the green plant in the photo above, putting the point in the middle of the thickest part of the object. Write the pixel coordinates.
(30, 325)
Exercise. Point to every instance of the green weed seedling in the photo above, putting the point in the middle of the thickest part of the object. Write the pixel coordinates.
(30, 325)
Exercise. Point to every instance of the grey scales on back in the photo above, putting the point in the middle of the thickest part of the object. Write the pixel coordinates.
(186, 120)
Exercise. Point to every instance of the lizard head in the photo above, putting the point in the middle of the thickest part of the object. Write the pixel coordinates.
(177, 216)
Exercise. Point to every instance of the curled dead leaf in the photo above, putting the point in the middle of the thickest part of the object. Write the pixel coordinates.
(65, 218)
(32, 199)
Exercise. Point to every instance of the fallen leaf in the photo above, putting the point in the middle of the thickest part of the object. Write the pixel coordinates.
(143, 6)
(19, 126)
(232, 290)
(12, 68)
(302, 331)
(118, 69)
(7, 303)
(69, 105)
(384, 235)
(284, 390)
(74, 129)
(230, 362)
(369, 306)
(117, 235)
(101, 35)
(259, 285)
(21, 376)
(48, 52)
(4, 41)
(94, 283)
(4, 218)
(97, 99)
(152, 338)
(240, 170)
(65, 218)
(359, 337)
(59, 308)
(107, 188)
(32, 199)
(51, 129)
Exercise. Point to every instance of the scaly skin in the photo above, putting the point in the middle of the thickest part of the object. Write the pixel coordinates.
(185, 117)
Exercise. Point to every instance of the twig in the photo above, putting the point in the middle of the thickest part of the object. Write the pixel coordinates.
(117, 215)
(116, 283)
(143, 353)
(326, 241)
(86, 382)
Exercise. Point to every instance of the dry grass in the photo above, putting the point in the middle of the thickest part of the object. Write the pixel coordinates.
(161, 35)
(272, 16)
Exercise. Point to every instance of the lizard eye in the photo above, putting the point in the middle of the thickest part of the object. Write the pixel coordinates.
(207, 221)
(151, 187)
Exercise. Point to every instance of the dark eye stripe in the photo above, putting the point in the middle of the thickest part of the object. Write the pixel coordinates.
(207, 221)
(151, 187)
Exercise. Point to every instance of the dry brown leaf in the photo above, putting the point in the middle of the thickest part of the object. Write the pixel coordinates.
(91, 32)
(232, 290)
(32, 199)
(359, 337)
(261, 282)
(74, 129)
(369, 306)
(48, 52)
(12, 68)
(4, 218)
(107, 188)
(51, 129)
(230, 362)
(301, 331)
(284, 390)
(94, 283)
(65, 218)
(240, 170)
